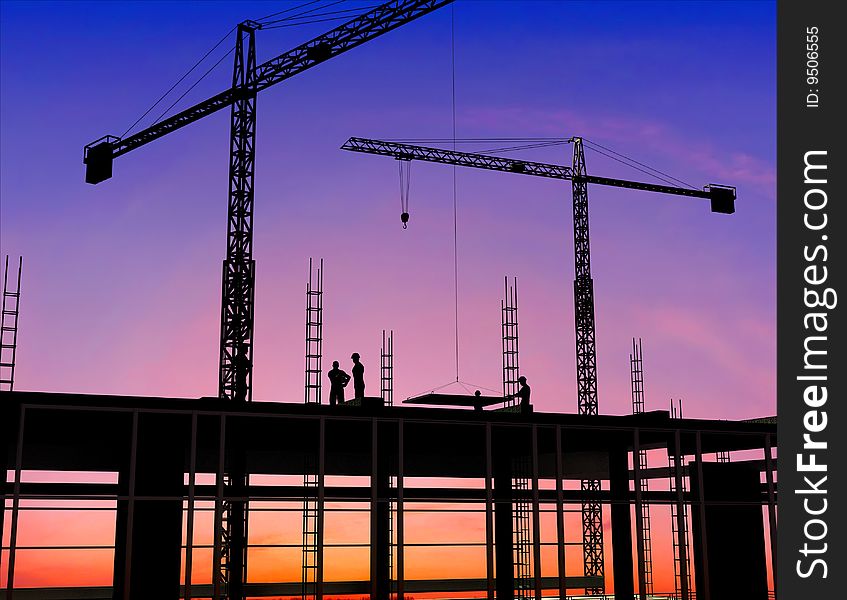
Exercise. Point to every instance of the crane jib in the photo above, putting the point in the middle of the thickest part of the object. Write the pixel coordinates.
(722, 198)
(382, 19)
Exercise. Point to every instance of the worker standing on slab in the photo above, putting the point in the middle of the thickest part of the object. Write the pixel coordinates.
(338, 380)
(358, 376)
(523, 394)
(242, 373)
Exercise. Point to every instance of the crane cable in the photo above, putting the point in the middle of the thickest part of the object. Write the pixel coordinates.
(455, 202)
(293, 20)
(531, 143)
(631, 162)
(405, 167)
(194, 85)
(313, 16)
(180, 80)
(287, 10)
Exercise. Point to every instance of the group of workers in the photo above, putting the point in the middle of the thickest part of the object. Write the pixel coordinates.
(338, 380)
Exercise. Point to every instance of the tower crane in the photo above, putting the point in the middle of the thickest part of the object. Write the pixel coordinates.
(721, 198)
(238, 281)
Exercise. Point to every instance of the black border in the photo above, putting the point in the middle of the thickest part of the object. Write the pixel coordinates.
(801, 129)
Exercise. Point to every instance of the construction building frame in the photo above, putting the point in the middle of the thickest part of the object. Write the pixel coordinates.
(158, 448)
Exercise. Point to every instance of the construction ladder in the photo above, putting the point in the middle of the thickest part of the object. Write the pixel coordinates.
(9, 327)
(637, 378)
(386, 368)
(311, 479)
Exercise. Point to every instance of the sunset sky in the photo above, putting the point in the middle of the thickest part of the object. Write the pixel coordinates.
(121, 282)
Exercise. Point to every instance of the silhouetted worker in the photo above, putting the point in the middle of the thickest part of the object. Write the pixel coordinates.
(241, 364)
(338, 380)
(358, 376)
(523, 394)
(477, 405)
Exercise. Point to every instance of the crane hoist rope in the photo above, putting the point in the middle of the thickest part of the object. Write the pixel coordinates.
(455, 193)
(405, 168)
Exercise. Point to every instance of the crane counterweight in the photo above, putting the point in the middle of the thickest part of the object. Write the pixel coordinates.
(722, 198)
(98, 160)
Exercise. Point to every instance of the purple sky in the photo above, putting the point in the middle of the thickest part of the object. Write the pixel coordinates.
(122, 280)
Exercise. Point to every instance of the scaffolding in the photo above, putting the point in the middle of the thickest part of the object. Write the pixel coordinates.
(9, 327)
(636, 366)
(311, 477)
(679, 525)
(314, 332)
(386, 386)
(386, 368)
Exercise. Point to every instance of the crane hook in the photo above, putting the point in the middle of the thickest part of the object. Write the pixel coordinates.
(405, 166)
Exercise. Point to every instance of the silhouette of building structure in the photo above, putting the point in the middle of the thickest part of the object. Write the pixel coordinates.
(169, 457)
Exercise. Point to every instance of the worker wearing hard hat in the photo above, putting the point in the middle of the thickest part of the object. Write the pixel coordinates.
(523, 394)
(338, 380)
(358, 376)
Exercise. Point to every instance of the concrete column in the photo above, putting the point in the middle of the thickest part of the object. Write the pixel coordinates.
(380, 521)
(621, 523)
(503, 535)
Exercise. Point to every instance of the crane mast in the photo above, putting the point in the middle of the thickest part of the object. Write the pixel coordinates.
(238, 285)
(583, 289)
(239, 267)
(586, 360)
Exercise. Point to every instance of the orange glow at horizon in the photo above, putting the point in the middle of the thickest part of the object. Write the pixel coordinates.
(93, 567)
